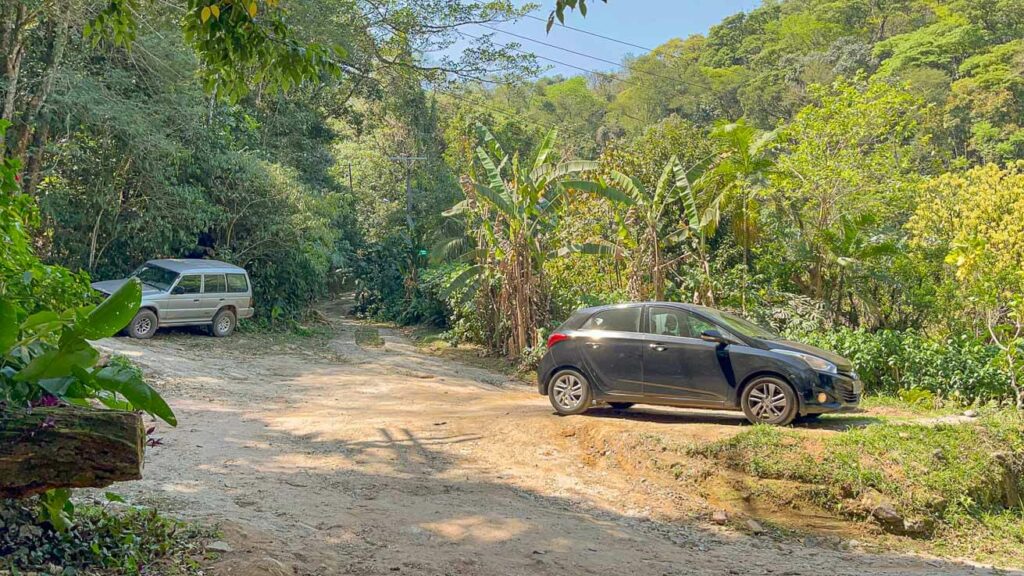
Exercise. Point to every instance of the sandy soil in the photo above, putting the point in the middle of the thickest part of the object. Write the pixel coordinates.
(335, 459)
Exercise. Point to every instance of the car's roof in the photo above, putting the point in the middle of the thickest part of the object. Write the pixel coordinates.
(195, 265)
(683, 305)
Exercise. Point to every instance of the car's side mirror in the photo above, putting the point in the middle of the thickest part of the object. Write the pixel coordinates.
(715, 336)
(177, 290)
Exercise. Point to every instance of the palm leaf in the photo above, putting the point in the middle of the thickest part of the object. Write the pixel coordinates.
(629, 185)
(548, 172)
(498, 200)
(492, 145)
(494, 179)
(544, 150)
(466, 277)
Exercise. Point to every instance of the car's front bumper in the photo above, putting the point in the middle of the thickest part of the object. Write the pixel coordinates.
(843, 393)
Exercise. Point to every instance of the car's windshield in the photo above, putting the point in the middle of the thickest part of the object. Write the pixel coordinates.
(744, 327)
(155, 276)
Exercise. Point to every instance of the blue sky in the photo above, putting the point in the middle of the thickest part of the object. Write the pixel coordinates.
(646, 23)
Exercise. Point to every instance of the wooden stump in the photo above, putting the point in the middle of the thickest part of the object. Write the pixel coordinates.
(68, 447)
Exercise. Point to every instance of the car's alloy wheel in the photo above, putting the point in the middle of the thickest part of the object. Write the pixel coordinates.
(769, 401)
(223, 323)
(144, 325)
(569, 392)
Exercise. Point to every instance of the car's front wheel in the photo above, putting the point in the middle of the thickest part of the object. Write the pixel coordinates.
(769, 400)
(223, 323)
(144, 325)
(569, 392)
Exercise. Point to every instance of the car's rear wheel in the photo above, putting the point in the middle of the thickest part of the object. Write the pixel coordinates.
(144, 325)
(621, 405)
(569, 392)
(769, 400)
(223, 323)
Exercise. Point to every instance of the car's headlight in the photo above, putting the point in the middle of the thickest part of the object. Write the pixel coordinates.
(819, 364)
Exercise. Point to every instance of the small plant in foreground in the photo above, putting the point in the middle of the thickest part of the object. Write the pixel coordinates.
(103, 541)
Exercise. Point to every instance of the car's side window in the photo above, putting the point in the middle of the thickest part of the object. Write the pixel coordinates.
(191, 284)
(668, 322)
(237, 283)
(699, 325)
(214, 284)
(615, 319)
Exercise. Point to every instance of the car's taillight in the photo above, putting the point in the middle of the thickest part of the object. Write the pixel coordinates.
(556, 338)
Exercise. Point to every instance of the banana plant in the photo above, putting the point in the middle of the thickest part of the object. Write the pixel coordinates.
(511, 209)
(646, 224)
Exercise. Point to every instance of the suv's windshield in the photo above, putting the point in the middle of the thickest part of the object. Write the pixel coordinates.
(155, 276)
(744, 327)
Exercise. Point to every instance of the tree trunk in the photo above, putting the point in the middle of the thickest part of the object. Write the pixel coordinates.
(68, 448)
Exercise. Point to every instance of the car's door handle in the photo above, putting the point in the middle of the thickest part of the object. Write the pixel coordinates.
(221, 299)
(658, 347)
(196, 300)
(593, 344)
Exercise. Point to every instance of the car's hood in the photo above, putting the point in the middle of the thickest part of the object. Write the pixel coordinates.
(841, 363)
(108, 287)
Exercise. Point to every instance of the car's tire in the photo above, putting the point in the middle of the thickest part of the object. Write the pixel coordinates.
(569, 392)
(621, 405)
(769, 400)
(223, 323)
(144, 325)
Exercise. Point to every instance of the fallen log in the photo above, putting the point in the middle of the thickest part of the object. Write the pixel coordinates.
(68, 447)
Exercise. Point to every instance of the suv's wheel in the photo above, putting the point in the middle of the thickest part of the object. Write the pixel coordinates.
(144, 325)
(620, 405)
(569, 392)
(769, 400)
(223, 323)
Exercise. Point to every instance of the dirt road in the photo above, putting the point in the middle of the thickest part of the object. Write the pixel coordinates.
(390, 461)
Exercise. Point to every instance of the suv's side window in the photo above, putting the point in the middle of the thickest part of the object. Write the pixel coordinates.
(616, 319)
(237, 283)
(214, 284)
(668, 321)
(191, 284)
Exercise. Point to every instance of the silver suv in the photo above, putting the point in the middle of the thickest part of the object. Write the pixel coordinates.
(187, 292)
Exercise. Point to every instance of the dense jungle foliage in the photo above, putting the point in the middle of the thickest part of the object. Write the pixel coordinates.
(848, 171)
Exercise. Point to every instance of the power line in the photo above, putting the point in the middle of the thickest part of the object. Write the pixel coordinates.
(595, 34)
(480, 105)
(590, 70)
(616, 64)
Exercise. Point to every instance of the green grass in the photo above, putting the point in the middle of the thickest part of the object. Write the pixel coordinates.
(944, 474)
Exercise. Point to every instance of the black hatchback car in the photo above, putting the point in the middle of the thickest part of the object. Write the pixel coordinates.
(683, 355)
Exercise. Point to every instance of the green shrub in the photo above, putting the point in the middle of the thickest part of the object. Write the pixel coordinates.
(102, 541)
(956, 367)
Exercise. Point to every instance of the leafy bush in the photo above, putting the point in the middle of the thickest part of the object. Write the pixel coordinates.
(102, 542)
(958, 367)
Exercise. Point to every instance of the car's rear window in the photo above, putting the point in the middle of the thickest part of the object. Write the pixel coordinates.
(615, 319)
(237, 283)
(214, 284)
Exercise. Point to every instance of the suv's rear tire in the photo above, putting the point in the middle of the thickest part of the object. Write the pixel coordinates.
(144, 325)
(223, 323)
(769, 400)
(569, 392)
